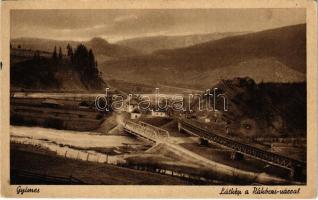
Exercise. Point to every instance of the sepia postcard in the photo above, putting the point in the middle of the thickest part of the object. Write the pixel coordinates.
(159, 99)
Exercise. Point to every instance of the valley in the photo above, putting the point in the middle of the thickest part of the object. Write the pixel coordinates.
(259, 139)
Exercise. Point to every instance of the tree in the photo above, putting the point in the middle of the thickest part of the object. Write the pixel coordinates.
(70, 52)
(54, 56)
(91, 59)
(84, 61)
(81, 58)
(60, 54)
(36, 56)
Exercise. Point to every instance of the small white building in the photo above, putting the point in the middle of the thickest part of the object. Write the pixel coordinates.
(158, 114)
(135, 114)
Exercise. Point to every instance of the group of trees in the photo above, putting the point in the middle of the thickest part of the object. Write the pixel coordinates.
(18, 46)
(46, 66)
(83, 60)
(80, 58)
(58, 56)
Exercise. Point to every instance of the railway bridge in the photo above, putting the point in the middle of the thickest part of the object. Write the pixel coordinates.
(146, 131)
(155, 134)
(295, 167)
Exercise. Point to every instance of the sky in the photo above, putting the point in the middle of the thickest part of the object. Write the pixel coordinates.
(114, 25)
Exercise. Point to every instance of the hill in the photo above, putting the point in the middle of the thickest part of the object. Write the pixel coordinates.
(150, 44)
(262, 70)
(271, 56)
(253, 110)
(42, 73)
(103, 50)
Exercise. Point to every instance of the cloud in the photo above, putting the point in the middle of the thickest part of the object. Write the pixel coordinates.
(125, 23)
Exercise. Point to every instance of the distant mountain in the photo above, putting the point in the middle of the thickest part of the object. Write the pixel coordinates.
(101, 48)
(287, 44)
(150, 44)
(276, 55)
(262, 70)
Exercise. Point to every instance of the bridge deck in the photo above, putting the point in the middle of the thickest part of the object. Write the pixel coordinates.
(146, 131)
(245, 149)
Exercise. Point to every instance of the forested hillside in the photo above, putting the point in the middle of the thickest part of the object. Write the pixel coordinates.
(75, 70)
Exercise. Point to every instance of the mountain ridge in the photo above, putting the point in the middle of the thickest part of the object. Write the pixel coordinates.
(101, 48)
(285, 46)
(150, 44)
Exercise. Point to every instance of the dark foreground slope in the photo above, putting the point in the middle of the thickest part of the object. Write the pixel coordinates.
(30, 165)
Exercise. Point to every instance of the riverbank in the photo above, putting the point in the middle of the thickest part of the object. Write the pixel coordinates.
(36, 160)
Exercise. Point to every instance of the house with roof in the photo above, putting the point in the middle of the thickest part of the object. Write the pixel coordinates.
(135, 114)
(131, 105)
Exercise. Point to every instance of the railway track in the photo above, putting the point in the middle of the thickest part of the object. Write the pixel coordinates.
(294, 166)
